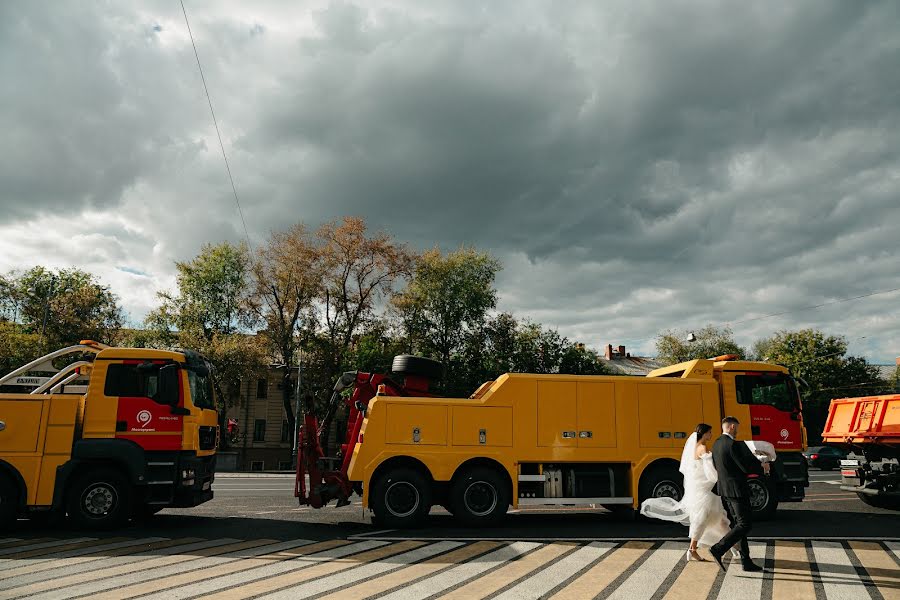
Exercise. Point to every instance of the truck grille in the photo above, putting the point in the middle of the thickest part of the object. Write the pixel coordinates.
(208, 437)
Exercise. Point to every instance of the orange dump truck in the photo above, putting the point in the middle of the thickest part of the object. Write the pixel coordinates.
(870, 429)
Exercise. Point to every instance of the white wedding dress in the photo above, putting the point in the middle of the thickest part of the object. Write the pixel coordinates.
(700, 509)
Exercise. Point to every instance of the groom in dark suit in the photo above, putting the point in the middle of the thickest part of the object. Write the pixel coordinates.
(734, 462)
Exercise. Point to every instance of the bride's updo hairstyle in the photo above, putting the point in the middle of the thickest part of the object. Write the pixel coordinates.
(702, 430)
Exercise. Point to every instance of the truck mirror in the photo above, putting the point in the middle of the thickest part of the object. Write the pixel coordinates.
(168, 385)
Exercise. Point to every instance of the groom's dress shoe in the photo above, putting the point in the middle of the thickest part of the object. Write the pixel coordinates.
(717, 555)
(751, 567)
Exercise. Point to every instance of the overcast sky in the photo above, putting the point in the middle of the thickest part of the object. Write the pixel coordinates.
(636, 166)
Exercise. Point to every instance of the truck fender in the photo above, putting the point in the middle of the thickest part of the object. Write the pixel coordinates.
(125, 454)
(11, 471)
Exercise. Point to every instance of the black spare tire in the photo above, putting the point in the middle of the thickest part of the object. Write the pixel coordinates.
(407, 364)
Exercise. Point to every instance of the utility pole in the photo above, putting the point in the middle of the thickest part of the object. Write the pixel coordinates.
(297, 408)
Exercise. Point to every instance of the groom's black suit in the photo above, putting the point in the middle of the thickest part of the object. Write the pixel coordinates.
(734, 462)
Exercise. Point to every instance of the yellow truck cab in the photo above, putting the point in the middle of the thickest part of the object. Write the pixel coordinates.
(609, 441)
(114, 433)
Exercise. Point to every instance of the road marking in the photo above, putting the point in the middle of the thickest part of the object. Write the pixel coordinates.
(50, 581)
(737, 583)
(695, 580)
(880, 567)
(557, 573)
(59, 567)
(316, 567)
(37, 544)
(462, 573)
(599, 576)
(186, 585)
(796, 580)
(407, 570)
(366, 572)
(837, 574)
(205, 569)
(306, 557)
(74, 545)
(495, 580)
(426, 568)
(14, 564)
(652, 572)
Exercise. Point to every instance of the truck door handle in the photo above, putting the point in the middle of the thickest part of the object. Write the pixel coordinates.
(680, 435)
(665, 435)
(568, 434)
(586, 434)
(2, 425)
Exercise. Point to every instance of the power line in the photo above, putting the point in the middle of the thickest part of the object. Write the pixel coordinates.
(216, 123)
(784, 312)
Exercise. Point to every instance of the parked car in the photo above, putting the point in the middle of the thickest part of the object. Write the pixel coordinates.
(824, 457)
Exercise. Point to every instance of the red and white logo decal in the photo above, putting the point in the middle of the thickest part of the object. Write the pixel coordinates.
(785, 434)
(144, 417)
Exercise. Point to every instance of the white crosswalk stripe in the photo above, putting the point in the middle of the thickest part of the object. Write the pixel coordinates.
(232, 569)
(839, 577)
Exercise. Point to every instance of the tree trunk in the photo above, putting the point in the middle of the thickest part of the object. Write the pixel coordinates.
(286, 396)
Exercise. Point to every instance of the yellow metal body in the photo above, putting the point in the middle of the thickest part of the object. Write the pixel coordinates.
(40, 429)
(525, 418)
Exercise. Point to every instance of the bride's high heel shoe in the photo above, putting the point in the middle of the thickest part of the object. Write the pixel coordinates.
(690, 557)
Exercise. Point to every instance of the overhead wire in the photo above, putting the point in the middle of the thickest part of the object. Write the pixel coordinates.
(216, 124)
(784, 312)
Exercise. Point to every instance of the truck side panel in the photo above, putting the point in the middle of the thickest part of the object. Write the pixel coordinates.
(57, 446)
(539, 419)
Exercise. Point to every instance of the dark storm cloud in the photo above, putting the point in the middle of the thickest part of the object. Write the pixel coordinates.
(635, 167)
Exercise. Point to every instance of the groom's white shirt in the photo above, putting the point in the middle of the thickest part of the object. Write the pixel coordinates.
(728, 434)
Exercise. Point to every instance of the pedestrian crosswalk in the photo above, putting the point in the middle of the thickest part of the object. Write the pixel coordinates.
(156, 568)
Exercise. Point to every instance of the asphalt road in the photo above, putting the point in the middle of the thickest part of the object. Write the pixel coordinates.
(264, 506)
(253, 540)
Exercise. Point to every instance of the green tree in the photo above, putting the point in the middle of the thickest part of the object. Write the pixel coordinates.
(287, 278)
(447, 297)
(61, 307)
(16, 347)
(821, 361)
(360, 270)
(673, 347)
(211, 306)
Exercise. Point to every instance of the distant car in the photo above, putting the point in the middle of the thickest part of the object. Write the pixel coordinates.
(824, 457)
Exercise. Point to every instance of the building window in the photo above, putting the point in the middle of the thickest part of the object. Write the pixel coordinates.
(257, 465)
(259, 430)
(262, 388)
(285, 465)
(285, 432)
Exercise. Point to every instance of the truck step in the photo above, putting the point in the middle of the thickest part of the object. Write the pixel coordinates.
(574, 501)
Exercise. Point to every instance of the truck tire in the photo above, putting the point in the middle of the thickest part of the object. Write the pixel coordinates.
(479, 496)
(9, 501)
(99, 499)
(661, 482)
(888, 502)
(401, 498)
(406, 364)
(763, 498)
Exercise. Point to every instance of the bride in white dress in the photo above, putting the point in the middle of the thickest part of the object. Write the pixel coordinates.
(700, 509)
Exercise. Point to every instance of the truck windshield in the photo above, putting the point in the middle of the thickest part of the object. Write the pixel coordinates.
(773, 389)
(201, 390)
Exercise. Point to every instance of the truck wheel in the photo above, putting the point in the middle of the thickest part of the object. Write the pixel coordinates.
(401, 498)
(479, 496)
(99, 499)
(661, 482)
(406, 364)
(888, 502)
(763, 499)
(9, 501)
